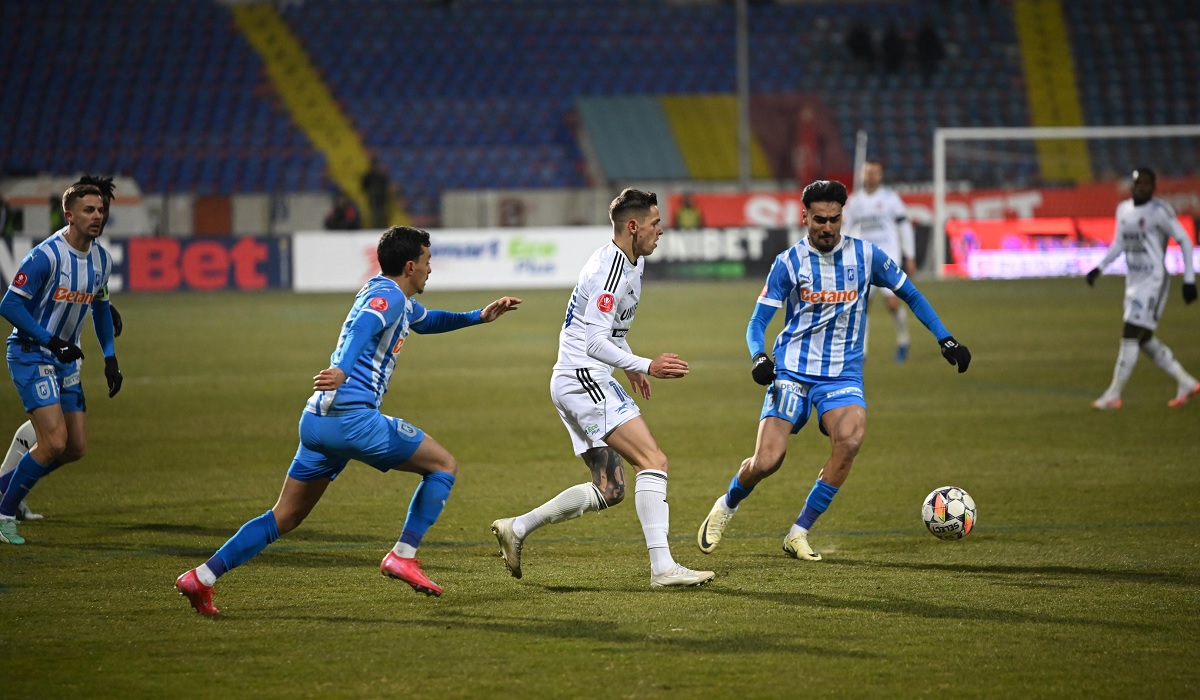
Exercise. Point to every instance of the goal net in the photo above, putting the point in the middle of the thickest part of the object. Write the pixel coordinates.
(1039, 201)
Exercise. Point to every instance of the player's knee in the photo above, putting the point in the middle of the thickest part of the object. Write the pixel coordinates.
(656, 460)
(446, 463)
(51, 447)
(288, 520)
(613, 494)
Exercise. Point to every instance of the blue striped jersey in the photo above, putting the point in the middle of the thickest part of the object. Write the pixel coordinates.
(367, 380)
(824, 297)
(62, 282)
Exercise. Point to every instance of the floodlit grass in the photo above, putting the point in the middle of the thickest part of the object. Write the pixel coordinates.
(1082, 578)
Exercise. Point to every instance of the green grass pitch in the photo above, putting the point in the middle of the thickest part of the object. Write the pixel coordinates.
(1082, 578)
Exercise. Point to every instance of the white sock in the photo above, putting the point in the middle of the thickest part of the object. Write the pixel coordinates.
(796, 528)
(205, 574)
(1165, 359)
(900, 317)
(1127, 358)
(22, 441)
(650, 499)
(404, 550)
(568, 505)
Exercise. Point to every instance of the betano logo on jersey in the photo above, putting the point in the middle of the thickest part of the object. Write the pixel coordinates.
(828, 296)
(73, 297)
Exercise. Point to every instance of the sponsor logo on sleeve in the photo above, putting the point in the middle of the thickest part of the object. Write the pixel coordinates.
(605, 302)
(379, 304)
(20, 280)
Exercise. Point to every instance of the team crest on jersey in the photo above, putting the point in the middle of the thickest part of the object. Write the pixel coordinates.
(850, 275)
(20, 280)
(605, 302)
(379, 304)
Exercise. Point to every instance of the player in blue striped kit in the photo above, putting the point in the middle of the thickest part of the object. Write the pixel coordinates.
(822, 283)
(342, 421)
(25, 437)
(59, 282)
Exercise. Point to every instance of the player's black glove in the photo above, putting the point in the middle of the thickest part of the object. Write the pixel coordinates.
(1092, 275)
(1189, 292)
(63, 351)
(955, 353)
(118, 324)
(762, 369)
(113, 374)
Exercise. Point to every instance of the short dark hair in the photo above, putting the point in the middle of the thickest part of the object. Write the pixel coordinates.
(74, 192)
(630, 202)
(397, 246)
(824, 191)
(1145, 172)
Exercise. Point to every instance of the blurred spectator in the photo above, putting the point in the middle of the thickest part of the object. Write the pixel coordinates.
(344, 216)
(893, 49)
(58, 219)
(377, 186)
(930, 51)
(860, 44)
(10, 219)
(688, 215)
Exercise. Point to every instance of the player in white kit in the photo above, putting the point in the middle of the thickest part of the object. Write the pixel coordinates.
(1144, 224)
(877, 214)
(603, 420)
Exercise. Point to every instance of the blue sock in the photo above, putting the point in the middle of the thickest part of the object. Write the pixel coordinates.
(736, 492)
(427, 503)
(252, 538)
(818, 500)
(21, 480)
(6, 480)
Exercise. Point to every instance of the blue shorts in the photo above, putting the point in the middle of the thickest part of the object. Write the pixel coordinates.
(45, 382)
(794, 401)
(327, 443)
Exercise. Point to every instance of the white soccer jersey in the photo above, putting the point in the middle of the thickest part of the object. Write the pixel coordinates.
(880, 217)
(1141, 234)
(600, 314)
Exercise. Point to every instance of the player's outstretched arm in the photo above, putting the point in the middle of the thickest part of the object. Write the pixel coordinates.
(498, 308)
(668, 366)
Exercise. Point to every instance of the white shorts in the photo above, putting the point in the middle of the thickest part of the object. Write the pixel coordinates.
(591, 405)
(1145, 301)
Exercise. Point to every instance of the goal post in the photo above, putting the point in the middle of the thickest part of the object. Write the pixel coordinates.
(944, 138)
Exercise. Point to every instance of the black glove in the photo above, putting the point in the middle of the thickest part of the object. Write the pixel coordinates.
(113, 374)
(64, 351)
(955, 353)
(762, 369)
(1189, 292)
(1092, 275)
(118, 324)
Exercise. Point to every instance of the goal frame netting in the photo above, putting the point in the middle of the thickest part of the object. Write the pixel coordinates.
(944, 135)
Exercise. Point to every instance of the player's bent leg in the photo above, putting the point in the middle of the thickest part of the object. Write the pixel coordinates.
(23, 440)
(438, 469)
(769, 451)
(296, 500)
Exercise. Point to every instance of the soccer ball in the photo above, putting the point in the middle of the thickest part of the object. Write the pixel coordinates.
(949, 513)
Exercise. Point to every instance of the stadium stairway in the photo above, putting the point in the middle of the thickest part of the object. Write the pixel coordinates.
(705, 127)
(309, 100)
(1052, 89)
